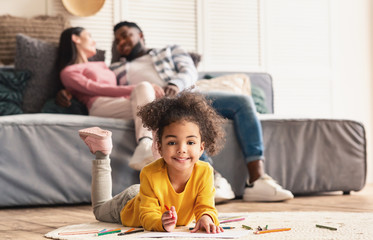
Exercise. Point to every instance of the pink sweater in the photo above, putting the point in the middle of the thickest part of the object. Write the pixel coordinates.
(87, 81)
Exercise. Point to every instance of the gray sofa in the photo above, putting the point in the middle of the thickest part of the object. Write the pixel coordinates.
(44, 162)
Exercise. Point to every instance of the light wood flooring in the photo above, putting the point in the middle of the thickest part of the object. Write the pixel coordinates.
(33, 223)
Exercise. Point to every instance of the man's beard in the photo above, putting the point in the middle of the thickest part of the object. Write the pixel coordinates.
(135, 52)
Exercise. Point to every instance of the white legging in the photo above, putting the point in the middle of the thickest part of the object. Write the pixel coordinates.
(123, 108)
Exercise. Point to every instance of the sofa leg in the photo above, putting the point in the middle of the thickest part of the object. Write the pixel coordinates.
(346, 192)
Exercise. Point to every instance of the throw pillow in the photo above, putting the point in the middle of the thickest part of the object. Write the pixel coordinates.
(235, 83)
(44, 27)
(259, 98)
(12, 84)
(39, 58)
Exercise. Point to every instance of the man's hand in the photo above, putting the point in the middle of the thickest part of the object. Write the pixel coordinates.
(171, 90)
(159, 92)
(63, 98)
(205, 222)
(169, 219)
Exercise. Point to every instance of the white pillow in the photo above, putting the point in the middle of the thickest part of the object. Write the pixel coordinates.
(234, 83)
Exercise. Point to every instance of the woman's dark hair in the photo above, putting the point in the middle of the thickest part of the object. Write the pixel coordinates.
(186, 106)
(67, 52)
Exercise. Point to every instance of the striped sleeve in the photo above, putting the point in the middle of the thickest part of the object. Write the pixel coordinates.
(120, 71)
(175, 66)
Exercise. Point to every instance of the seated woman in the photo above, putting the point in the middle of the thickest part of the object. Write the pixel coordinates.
(95, 85)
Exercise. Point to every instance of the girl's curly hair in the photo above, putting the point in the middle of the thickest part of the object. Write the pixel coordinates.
(186, 106)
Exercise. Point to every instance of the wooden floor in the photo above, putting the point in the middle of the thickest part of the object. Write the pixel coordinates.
(33, 223)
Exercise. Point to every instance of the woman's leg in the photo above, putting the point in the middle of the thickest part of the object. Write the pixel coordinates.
(112, 107)
(127, 109)
(142, 94)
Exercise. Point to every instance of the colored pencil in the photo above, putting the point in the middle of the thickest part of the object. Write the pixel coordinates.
(129, 230)
(78, 232)
(135, 231)
(330, 228)
(247, 227)
(168, 209)
(109, 232)
(232, 220)
(191, 228)
(272, 230)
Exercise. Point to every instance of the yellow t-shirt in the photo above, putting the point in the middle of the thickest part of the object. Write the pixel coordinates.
(156, 191)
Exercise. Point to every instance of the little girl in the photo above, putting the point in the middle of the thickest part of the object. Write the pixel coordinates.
(174, 189)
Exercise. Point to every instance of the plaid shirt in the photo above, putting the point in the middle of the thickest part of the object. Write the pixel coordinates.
(173, 64)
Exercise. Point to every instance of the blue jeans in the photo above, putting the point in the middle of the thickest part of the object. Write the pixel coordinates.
(241, 109)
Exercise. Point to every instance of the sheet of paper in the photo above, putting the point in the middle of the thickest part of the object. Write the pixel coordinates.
(225, 234)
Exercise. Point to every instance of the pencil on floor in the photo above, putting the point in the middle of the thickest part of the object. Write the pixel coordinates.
(330, 228)
(272, 230)
(247, 227)
(78, 232)
(109, 232)
(232, 220)
(191, 228)
(130, 232)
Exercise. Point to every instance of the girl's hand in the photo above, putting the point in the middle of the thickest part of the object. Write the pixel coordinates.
(169, 219)
(205, 222)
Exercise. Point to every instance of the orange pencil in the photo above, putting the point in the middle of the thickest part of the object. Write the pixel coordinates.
(272, 230)
(168, 209)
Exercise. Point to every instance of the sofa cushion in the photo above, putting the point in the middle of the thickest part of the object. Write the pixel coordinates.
(39, 58)
(44, 27)
(12, 84)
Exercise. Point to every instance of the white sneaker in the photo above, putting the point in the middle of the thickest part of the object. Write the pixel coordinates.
(143, 154)
(223, 190)
(265, 189)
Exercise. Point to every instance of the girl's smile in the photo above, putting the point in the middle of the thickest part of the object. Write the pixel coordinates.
(181, 146)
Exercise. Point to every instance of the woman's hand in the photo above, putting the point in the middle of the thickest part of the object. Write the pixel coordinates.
(159, 92)
(171, 90)
(169, 219)
(205, 222)
(63, 98)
